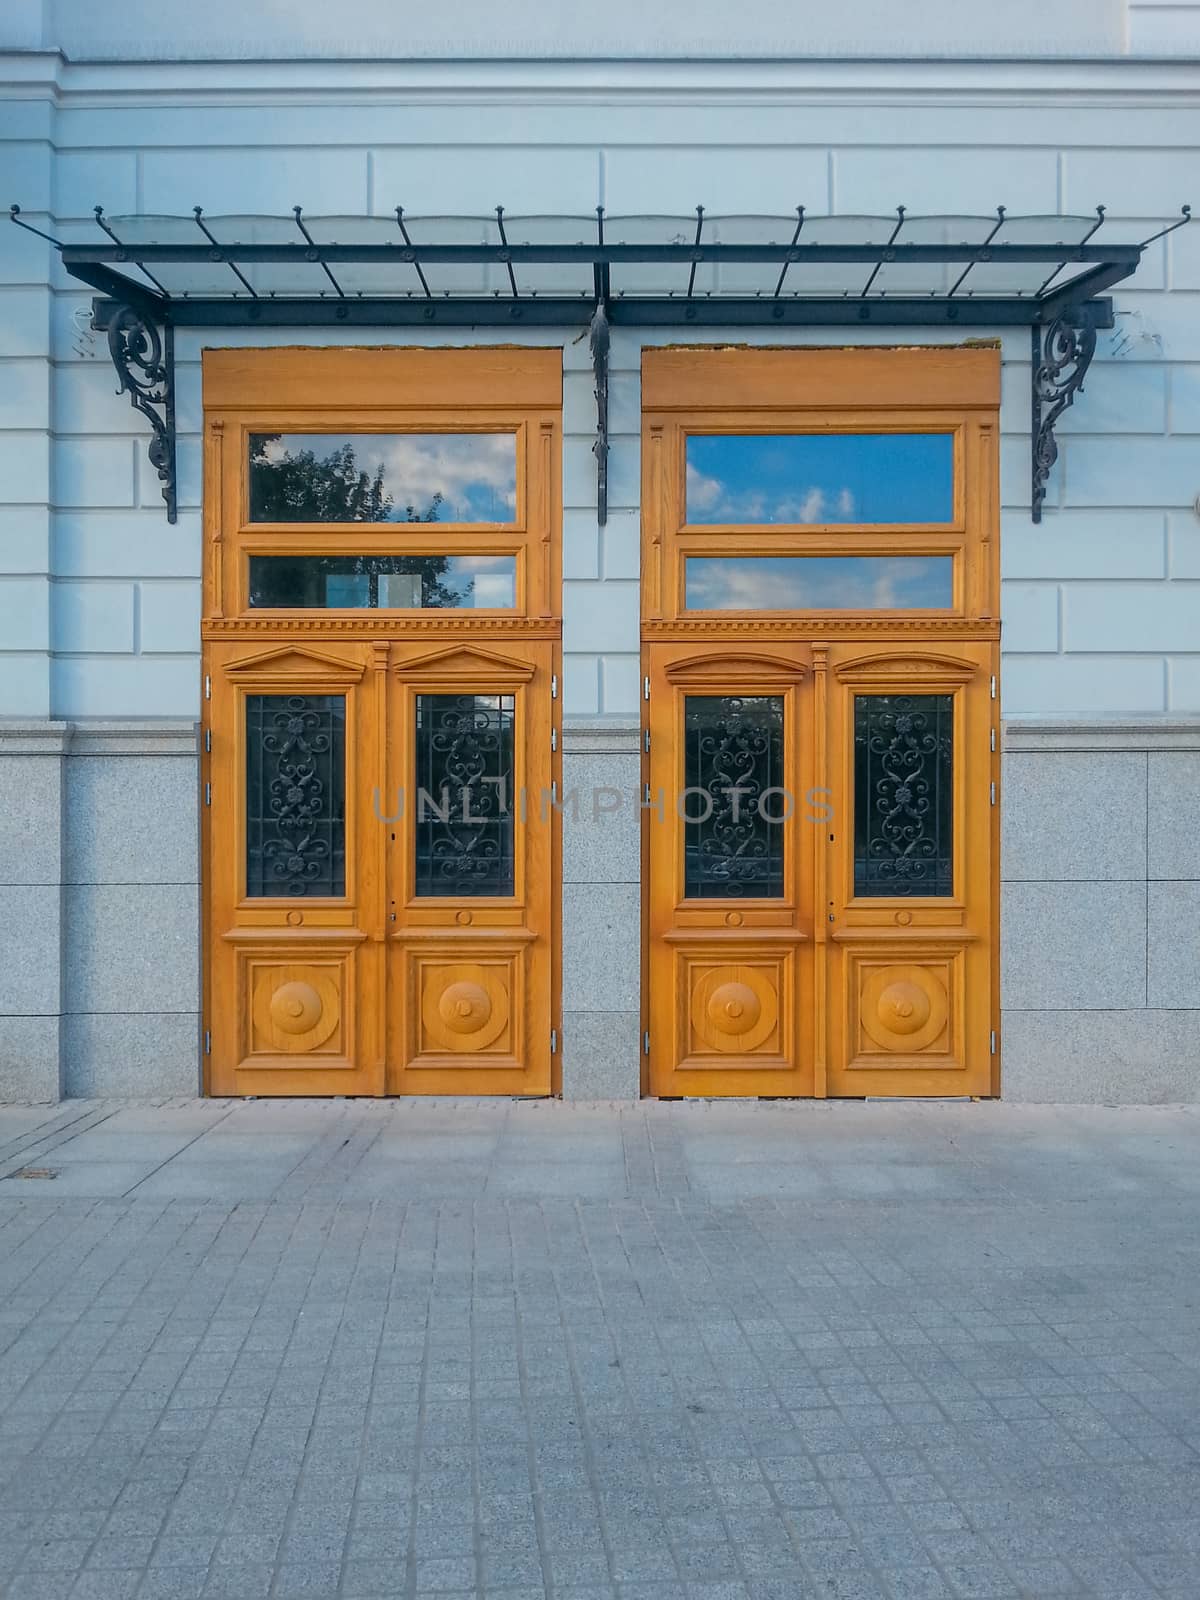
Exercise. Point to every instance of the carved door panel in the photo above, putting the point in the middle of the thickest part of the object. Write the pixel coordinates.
(294, 975)
(911, 873)
(468, 850)
(731, 861)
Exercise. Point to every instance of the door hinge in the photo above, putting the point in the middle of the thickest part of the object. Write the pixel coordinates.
(554, 738)
(993, 741)
(646, 1043)
(993, 685)
(208, 741)
(208, 794)
(554, 791)
(553, 1041)
(646, 741)
(646, 794)
(993, 1041)
(993, 791)
(207, 1042)
(554, 686)
(207, 687)
(645, 688)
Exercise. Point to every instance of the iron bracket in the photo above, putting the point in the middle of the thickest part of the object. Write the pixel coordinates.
(1062, 352)
(143, 354)
(599, 339)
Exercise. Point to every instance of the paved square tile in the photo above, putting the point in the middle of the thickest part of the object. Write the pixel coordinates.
(666, 1352)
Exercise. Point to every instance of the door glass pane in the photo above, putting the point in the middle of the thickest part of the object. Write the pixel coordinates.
(838, 478)
(903, 794)
(464, 810)
(295, 794)
(391, 583)
(383, 477)
(734, 805)
(819, 583)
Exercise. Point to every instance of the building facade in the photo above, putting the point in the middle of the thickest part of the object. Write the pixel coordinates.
(848, 560)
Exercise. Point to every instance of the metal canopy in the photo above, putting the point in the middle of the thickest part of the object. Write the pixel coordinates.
(156, 274)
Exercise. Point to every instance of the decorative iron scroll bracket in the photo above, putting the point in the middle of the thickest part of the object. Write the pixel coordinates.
(144, 357)
(599, 339)
(1062, 352)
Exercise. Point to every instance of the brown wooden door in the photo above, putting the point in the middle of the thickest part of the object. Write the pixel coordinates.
(469, 849)
(820, 640)
(821, 840)
(382, 891)
(731, 960)
(909, 890)
(380, 848)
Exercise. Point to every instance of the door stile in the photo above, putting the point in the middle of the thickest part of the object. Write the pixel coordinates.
(820, 895)
(380, 658)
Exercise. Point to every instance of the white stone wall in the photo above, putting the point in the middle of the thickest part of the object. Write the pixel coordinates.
(99, 597)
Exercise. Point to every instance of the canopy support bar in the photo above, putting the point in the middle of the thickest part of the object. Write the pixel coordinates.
(599, 339)
(1062, 353)
(143, 353)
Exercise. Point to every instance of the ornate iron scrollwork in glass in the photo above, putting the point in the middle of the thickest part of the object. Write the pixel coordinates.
(464, 801)
(1062, 354)
(144, 359)
(295, 794)
(903, 794)
(734, 805)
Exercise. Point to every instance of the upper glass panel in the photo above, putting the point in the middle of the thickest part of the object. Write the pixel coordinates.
(805, 478)
(819, 583)
(383, 477)
(386, 583)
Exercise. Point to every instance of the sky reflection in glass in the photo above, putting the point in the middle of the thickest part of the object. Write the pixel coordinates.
(819, 583)
(383, 477)
(837, 478)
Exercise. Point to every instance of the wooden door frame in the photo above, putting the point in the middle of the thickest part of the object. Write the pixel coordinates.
(362, 390)
(867, 388)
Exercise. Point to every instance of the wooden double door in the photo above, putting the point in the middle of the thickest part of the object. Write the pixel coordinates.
(821, 896)
(381, 892)
(381, 640)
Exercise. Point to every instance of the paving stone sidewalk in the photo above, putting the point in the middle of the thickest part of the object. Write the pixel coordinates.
(440, 1350)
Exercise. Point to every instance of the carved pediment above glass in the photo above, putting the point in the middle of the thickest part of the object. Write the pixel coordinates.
(450, 478)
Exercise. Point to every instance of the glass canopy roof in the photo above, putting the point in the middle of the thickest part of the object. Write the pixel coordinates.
(877, 267)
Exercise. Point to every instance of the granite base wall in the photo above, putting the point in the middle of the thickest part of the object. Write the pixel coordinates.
(1100, 917)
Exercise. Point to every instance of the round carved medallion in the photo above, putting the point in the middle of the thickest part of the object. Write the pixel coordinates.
(295, 1007)
(904, 1008)
(464, 1007)
(735, 1009)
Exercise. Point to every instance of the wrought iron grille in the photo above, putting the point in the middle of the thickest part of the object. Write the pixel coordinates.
(464, 803)
(903, 794)
(734, 803)
(295, 794)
